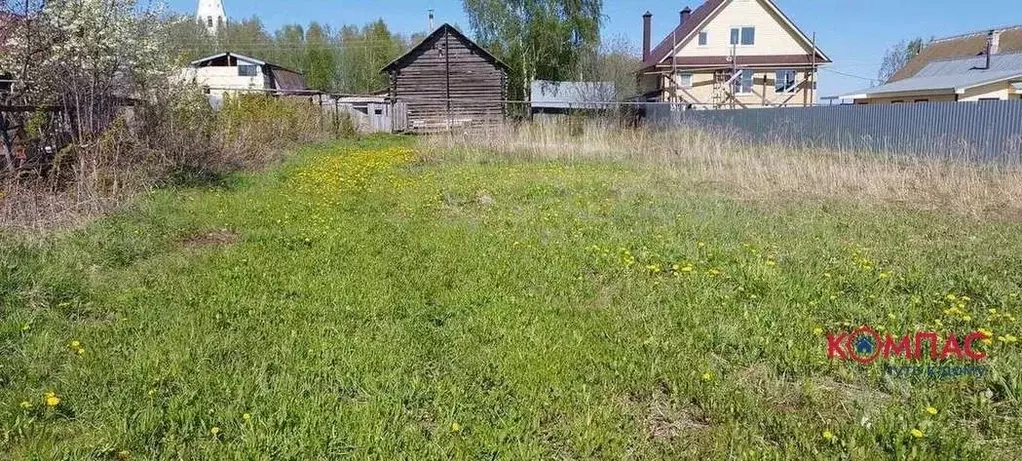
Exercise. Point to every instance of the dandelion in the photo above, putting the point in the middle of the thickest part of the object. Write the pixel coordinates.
(214, 431)
(51, 400)
(771, 263)
(707, 376)
(75, 344)
(455, 428)
(827, 435)
(917, 433)
(817, 331)
(931, 410)
(967, 318)
(246, 417)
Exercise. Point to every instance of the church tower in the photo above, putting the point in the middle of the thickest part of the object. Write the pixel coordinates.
(211, 14)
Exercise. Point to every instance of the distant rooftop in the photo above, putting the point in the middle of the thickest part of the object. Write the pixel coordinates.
(961, 46)
(952, 76)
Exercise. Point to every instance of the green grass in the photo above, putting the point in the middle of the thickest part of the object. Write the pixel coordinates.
(495, 309)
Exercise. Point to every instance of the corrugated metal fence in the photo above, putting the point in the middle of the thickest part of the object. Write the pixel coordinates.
(977, 131)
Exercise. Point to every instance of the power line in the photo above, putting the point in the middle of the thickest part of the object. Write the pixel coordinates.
(868, 79)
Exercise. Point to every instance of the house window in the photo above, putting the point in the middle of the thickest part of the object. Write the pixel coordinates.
(704, 38)
(898, 101)
(684, 80)
(247, 70)
(922, 100)
(989, 99)
(743, 36)
(743, 84)
(209, 21)
(785, 82)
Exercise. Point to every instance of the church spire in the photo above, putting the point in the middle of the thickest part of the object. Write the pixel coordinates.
(211, 14)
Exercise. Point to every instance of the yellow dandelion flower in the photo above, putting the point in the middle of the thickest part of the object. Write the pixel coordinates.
(931, 410)
(455, 428)
(917, 433)
(707, 376)
(51, 399)
(817, 331)
(827, 435)
(215, 431)
(75, 344)
(246, 417)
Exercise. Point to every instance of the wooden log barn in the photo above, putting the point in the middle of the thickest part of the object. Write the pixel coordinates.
(448, 82)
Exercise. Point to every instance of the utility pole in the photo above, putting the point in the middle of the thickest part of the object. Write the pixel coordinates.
(812, 74)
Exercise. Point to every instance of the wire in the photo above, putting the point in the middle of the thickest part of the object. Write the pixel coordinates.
(868, 79)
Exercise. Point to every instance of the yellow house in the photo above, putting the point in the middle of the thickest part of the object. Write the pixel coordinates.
(985, 66)
(731, 54)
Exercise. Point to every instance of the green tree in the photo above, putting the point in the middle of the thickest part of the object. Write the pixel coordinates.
(363, 52)
(897, 57)
(321, 62)
(538, 39)
(288, 48)
(247, 37)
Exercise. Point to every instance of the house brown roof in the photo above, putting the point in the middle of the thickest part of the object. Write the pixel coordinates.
(696, 20)
(962, 46)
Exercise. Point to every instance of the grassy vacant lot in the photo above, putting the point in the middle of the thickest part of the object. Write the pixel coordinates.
(369, 301)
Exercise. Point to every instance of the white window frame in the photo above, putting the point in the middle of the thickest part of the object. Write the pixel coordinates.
(703, 39)
(738, 85)
(739, 29)
(791, 87)
(681, 78)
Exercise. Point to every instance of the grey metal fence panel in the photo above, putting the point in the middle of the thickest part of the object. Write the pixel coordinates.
(979, 131)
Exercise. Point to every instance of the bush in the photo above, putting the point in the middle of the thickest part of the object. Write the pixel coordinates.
(175, 137)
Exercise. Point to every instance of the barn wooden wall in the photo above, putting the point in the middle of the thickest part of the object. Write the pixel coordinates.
(426, 79)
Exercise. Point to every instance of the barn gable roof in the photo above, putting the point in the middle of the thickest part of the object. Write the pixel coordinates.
(445, 28)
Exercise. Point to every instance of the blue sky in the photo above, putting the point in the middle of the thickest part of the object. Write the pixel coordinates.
(854, 33)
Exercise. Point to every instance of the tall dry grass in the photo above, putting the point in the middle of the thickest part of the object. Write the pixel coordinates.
(693, 158)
